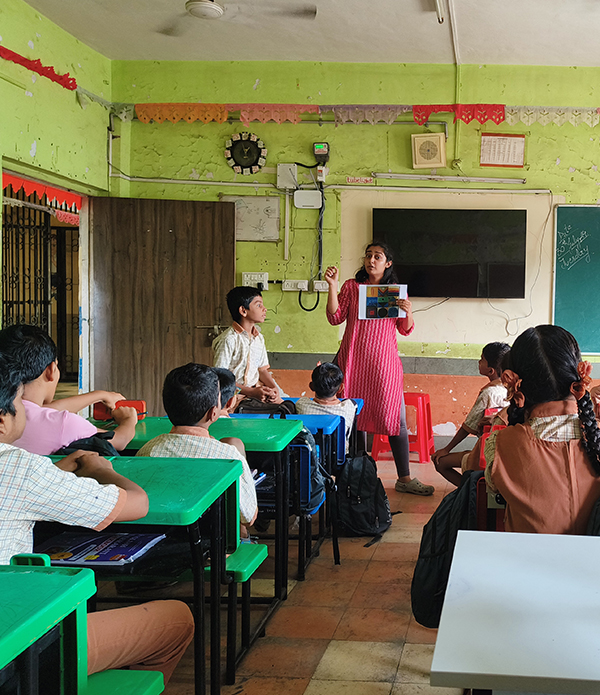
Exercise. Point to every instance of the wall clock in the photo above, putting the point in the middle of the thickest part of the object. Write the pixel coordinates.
(245, 153)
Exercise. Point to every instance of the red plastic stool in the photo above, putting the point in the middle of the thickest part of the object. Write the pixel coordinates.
(421, 442)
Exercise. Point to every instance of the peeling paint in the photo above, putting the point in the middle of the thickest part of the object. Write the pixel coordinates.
(28, 94)
(277, 329)
(33, 149)
(256, 84)
(31, 44)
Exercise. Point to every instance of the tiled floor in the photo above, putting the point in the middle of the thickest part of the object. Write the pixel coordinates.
(348, 629)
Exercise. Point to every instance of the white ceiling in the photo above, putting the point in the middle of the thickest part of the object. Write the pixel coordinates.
(501, 32)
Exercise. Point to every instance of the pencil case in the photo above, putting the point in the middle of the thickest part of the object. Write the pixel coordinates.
(101, 412)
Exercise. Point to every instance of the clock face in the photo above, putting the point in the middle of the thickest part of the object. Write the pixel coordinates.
(245, 153)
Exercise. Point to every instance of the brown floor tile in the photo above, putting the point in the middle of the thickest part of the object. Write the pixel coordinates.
(388, 573)
(373, 625)
(359, 661)
(265, 686)
(417, 634)
(275, 657)
(349, 570)
(310, 622)
(398, 552)
(388, 597)
(327, 594)
(354, 549)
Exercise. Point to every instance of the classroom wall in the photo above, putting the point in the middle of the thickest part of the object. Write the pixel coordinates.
(44, 132)
(561, 159)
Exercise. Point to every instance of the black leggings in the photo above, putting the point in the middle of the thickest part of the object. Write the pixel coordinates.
(398, 445)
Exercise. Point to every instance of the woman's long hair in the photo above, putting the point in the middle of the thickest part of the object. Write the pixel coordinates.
(545, 358)
(389, 274)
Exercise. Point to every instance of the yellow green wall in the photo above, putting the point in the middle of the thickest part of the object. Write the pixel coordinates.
(71, 142)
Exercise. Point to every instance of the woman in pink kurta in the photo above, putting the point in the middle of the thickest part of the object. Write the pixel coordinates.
(369, 358)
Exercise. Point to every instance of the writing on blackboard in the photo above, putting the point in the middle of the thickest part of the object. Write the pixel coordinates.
(570, 249)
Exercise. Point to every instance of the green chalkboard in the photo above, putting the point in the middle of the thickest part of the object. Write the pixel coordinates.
(577, 276)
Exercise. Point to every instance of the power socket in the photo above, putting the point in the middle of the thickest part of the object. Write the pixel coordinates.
(254, 279)
(294, 285)
(319, 286)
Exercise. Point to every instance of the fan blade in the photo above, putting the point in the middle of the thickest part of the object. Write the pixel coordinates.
(297, 12)
(176, 27)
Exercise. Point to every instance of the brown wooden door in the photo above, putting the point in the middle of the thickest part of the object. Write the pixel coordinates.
(160, 273)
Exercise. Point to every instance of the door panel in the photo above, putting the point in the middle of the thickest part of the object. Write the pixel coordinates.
(161, 270)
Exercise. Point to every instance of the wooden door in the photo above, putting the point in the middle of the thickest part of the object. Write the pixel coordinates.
(160, 273)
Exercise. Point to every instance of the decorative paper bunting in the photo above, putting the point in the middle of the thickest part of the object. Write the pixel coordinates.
(36, 66)
(372, 113)
(272, 112)
(58, 194)
(463, 112)
(181, 112)
(67, 217)
(559, 115)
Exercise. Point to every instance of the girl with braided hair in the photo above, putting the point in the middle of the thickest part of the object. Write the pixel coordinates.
(547, 464)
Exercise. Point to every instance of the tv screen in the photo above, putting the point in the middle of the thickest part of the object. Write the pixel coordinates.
(456, 253)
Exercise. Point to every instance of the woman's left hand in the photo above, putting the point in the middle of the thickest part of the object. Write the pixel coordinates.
(405, 305)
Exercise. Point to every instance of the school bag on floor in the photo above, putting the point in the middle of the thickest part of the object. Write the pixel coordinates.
(458, 510)
(362, 506)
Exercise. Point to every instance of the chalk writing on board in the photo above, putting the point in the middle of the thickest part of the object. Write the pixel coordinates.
(570, 249)
(256, 217)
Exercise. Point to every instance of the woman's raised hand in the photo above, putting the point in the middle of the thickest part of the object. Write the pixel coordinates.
(331, 275)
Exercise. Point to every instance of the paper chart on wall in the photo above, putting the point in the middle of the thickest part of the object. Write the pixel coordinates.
(256, 217)
(379, 301)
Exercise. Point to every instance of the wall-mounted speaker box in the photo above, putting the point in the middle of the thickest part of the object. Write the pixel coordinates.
(428, 150)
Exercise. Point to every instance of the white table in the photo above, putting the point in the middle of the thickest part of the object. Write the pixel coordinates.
(521, 614)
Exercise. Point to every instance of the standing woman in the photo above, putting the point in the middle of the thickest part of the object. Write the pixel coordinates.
(369, 359)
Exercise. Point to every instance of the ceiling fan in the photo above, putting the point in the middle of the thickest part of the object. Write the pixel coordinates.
(210, 9)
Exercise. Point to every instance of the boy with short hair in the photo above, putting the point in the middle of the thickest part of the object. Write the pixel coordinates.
(84, 490)
(241, 348)
(228, 389)
(327, 380)
(192, 402)
(32, 352)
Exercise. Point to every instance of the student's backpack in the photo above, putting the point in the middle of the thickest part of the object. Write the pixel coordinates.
(252, 406)
(99, 442)
(362, 506)
(458, 510)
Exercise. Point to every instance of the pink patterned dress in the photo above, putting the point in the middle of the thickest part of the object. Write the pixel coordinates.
(372, 368)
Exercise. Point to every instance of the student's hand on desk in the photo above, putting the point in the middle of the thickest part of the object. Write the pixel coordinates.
(90, 464)
(109, 398)
(71, 462)
(123, 414)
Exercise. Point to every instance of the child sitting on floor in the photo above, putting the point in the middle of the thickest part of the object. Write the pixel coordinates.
(32, 352)
(192, 402)
(492, 395)
(546, 463)
(83, 490)
(326, 382)
(228, 390)
(241, 348)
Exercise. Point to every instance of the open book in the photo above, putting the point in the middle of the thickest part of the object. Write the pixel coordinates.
(89, 549)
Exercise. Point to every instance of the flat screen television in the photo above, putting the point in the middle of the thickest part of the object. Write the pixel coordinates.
(456, 253)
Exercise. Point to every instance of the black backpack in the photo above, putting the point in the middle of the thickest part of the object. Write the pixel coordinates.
(362, 505)
(458, 510)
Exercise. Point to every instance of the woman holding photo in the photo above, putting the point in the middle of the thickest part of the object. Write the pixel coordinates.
(368, 357)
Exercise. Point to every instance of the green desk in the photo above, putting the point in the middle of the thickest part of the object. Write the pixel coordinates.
(145, 430)
(35, 599)
(272, 436)
(180, 491)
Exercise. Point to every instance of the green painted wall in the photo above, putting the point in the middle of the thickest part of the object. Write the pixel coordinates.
(561, 158)
(44, 133)
(70, 143)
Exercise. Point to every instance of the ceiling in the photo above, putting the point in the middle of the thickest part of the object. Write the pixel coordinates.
(501, 32)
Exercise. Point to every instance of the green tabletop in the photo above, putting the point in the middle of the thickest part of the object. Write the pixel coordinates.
(179, 490)
(259, 434)
(34, 599)
(263, 435)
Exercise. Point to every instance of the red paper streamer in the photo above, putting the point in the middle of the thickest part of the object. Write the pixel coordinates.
(60, 196)
(463, 112)
(36, 66)
(67, 217)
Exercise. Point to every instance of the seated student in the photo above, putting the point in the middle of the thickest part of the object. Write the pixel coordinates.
(492, 395)
(546, 464)
(32, 352)
(192, 401)
(241, 348)
(83, 490)
(228, 389)
(327, 380)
